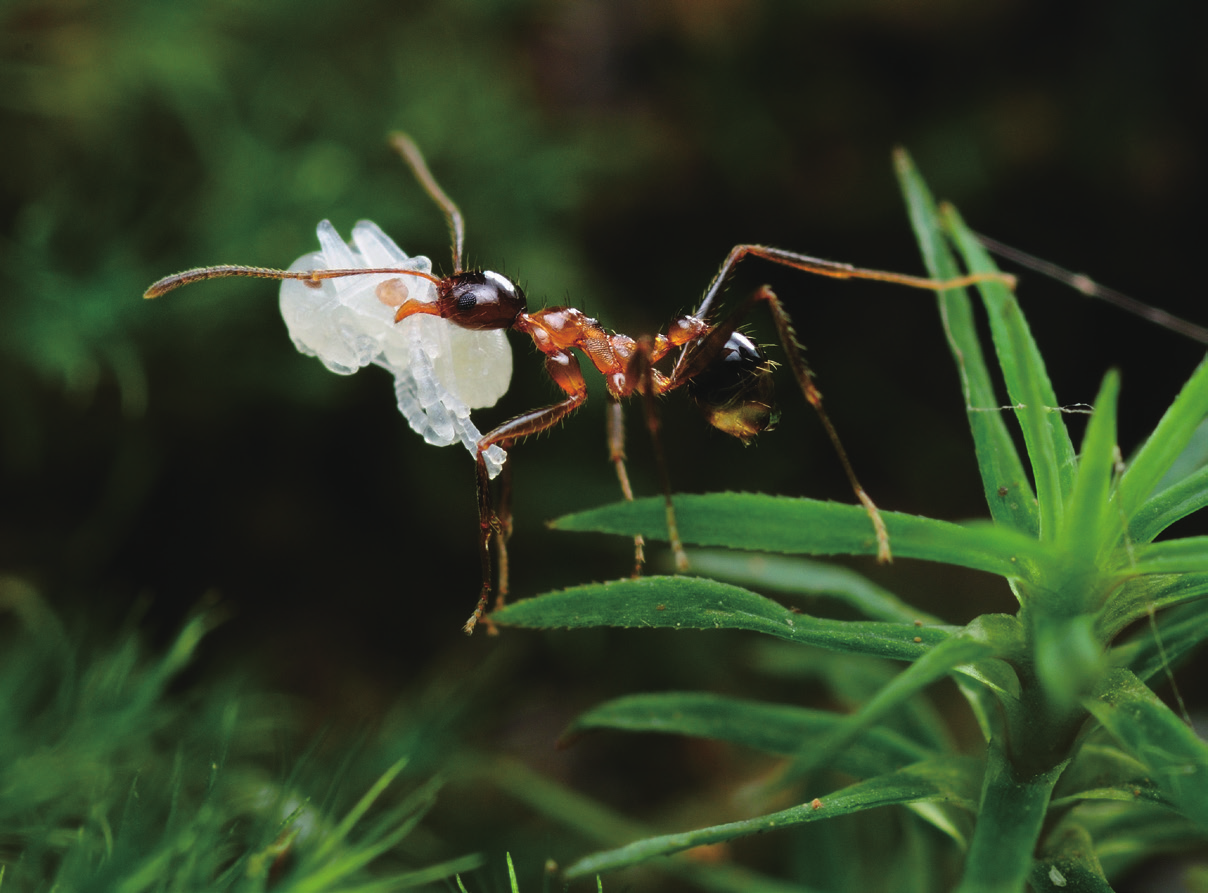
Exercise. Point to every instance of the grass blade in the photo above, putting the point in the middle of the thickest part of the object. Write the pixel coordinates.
(951, 780)
(997, 457)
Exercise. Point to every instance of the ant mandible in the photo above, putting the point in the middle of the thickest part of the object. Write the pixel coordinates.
(722, 371)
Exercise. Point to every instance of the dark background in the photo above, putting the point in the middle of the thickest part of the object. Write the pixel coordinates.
(607, 155)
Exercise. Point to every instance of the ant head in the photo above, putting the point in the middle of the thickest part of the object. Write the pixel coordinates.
(480, 299)
(735, 391)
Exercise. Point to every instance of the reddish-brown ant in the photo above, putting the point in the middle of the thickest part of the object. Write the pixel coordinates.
(722, 371)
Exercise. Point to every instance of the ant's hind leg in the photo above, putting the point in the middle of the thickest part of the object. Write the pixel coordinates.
(616, 455)
(699, 356)
(805, 380)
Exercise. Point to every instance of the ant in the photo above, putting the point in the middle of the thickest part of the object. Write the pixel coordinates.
(720, 369)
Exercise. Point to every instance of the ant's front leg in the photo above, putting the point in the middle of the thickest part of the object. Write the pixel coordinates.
(564, 369)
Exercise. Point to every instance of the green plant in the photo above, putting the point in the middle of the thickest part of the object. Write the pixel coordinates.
(115, 780)
(1084, 770)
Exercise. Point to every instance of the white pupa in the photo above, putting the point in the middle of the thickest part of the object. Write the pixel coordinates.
(441, 371)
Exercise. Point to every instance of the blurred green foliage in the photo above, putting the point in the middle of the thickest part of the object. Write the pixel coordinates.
(117, 778)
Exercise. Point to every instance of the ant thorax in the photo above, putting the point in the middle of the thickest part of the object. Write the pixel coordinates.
(440, 371)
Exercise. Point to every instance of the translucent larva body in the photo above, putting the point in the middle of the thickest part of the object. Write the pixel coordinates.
(441, 371)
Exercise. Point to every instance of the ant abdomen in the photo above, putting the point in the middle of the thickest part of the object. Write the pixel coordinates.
(735, 390)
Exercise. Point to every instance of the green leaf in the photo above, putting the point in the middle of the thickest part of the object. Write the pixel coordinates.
(977, 642)
(800, 576)
(1179, 632)
(1181, 556)
(1009, 820)
(1142, 595)
(810, 527)
(1044, 433)
(1172, 504)
(1177, 759)
(695, 603)
(997, 458)
(951, 780)
(850, 680)
(1092, 525)
(597, 823)
(1163, 447)
(1193, 458)
(1129, 833)
(775, 728)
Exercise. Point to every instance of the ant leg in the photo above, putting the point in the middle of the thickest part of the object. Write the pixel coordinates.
(645, 355)
(488, 524)
(616, 455)
(835, 270)
(504, 531)
(564, 369)
(699, 355)
(805, 379)
(499, 523)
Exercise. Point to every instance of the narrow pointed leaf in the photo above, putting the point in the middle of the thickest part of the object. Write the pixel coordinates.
(957, 651)
(997, 457)
(1153, 593)
(1164, 446)
(951, 780)
(800, 576)
(811, 527)
(1181, 556)
(1172, 504)
(1176, 757)
(600, 824)
(694, 603)
(1048, 442)
(1092, 524)
(775, 728)
(1180, 631)
(1193, 458)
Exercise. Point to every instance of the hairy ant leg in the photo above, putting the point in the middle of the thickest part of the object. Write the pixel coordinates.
(652, 383)
(833, 270)
(494, 522)
(564, 369)
(616, 455)
(698, 357)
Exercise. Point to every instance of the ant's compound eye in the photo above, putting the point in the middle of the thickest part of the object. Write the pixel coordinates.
(735, 391)
(481, 300)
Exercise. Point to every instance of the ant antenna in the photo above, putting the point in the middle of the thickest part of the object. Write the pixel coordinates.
(224, 271)
(405, 146)
(1093, 289)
